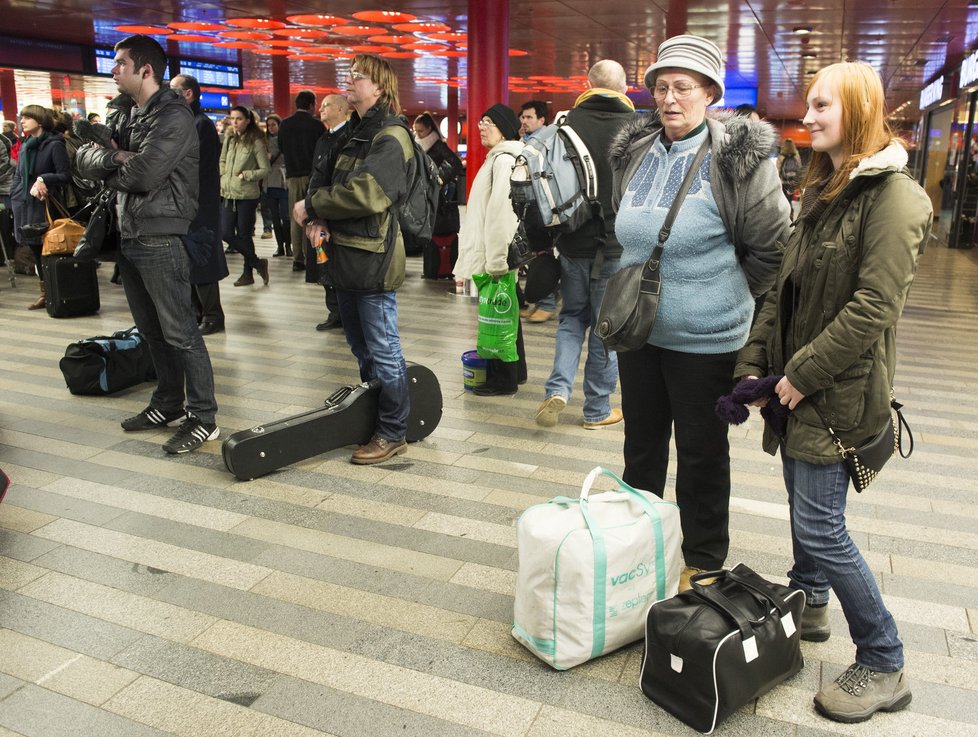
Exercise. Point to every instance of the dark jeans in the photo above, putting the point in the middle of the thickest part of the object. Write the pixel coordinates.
(238, 227)
(661, 389)
(277, 202)
(370, 324)
(297, 187)
(207, 302)
(156, 277)
(509, 374)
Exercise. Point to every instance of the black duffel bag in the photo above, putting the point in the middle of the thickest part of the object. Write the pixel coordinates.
(107, 364)
(712, 649)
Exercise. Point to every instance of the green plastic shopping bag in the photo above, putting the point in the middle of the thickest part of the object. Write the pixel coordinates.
(499, 315)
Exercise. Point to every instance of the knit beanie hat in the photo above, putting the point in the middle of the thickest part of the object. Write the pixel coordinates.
(505, 119)
(689, 52)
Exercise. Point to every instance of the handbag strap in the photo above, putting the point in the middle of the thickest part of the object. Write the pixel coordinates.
(900, 425)
(61, 208)
(650, 273)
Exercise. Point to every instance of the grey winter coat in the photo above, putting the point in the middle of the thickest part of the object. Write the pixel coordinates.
(158, 187)
(829, 323)
(744, 182)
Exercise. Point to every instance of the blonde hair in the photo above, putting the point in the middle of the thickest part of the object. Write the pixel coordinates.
(382, 75)
(858, 88)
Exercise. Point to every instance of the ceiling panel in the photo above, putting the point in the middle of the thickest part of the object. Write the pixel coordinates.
(908, 41)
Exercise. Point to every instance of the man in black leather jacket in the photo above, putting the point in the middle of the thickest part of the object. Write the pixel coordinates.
(153, 164)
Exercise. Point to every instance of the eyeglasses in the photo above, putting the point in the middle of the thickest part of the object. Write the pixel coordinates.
(487, 124)
(679, 91)
(357, 76)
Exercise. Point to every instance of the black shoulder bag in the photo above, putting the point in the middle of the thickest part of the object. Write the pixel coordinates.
(865, 462)
(631, 300)
(98, 226)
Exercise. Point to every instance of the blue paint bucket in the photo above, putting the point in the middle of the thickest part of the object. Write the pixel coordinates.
(473, 370)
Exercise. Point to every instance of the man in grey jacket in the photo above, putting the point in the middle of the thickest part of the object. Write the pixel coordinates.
(153, 164)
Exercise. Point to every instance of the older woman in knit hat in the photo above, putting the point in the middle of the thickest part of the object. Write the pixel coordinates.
(722, 252)
(489, 226)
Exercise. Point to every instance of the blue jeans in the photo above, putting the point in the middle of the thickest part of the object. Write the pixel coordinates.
(370, 324)
(156, 277)
(826, 557)
(582, 300)
(549, 303)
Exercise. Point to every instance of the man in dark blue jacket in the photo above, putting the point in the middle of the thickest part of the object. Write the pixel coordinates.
(588, 258)
(209, 265)
(153, 165)
(297, 137)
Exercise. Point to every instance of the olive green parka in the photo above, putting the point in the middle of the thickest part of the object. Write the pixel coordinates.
(829, 322)
(248, 159)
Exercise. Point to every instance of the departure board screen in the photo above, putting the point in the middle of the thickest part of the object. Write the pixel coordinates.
(209, 74)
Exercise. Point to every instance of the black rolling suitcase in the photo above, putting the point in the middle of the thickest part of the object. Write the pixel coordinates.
(71, 286)
(714, 648)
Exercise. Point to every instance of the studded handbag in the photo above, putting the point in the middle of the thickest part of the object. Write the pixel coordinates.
(865, 462)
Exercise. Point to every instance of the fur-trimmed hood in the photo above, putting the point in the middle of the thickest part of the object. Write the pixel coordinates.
(744, 144)
(892, 158)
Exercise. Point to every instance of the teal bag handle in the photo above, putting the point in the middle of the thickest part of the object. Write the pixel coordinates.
(601, 554)
(651, 512)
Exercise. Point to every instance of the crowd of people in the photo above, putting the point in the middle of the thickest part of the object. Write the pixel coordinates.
(748, 292)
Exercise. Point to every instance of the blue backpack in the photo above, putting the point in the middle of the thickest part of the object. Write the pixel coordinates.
(554, 183)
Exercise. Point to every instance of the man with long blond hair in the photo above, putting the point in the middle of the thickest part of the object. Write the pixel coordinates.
(355, 218)
(827, 328)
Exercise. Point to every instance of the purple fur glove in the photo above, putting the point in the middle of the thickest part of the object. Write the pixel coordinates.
(733, 409)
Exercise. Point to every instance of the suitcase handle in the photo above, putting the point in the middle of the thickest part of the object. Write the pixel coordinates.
(745, 577)
(749, 579)
(721, 603)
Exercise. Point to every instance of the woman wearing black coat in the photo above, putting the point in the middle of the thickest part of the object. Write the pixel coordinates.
(449, 169)
(42, 171)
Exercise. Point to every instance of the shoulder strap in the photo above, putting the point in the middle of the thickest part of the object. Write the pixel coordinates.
(681, 194)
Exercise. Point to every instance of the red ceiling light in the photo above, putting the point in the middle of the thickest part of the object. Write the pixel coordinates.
(451, 53)
(317, 20)
(191, 38)
(266, 24)
(300, 32)
(145, 30)
(423, 27)
(371, 49)
(344, 55)
(246, 45)
(310, 57)
(271, 52)
(401, 55)
(518, 52)
(425, 47)
(196, 25)
(389, 39)
(451, 36)
(358, 30)
(245, 35)
(383, 16)
(287, 42)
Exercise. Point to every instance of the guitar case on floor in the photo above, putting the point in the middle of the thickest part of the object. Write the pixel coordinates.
(348, 418)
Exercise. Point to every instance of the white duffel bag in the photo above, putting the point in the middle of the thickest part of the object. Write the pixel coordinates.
(590, 568)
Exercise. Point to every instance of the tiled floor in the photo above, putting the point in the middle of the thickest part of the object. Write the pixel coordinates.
(142, 594)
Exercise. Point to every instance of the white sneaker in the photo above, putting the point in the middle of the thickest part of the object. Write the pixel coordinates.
(550, 410)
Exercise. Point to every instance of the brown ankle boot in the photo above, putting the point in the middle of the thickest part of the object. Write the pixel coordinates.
(41, 302)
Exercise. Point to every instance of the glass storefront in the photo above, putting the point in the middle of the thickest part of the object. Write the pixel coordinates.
(949, 175)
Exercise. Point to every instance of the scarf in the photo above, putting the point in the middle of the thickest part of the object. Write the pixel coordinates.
(28, 154)
(604, 92)
(429, 140)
